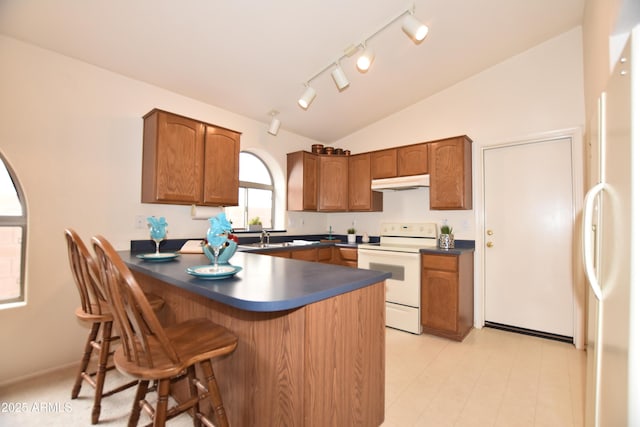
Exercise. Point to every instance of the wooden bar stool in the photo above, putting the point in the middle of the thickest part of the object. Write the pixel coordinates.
(151, 352)
(94, 310)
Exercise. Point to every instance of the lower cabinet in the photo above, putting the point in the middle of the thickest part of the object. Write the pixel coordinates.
(327, 254)
(447, 295)
(346, 256)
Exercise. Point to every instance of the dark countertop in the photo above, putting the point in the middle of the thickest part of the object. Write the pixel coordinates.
(461, 246)
(265, 284)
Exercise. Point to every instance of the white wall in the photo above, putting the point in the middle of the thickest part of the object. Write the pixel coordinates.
(73, 135)
(537, 91)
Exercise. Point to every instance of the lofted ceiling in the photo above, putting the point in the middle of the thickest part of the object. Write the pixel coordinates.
(254, 56)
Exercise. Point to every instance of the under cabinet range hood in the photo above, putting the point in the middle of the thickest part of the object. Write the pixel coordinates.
(400, 183)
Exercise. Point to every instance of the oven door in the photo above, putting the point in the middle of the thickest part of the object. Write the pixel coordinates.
(404, 285)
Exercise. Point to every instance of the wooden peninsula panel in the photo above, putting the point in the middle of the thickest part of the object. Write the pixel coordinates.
(321, 364)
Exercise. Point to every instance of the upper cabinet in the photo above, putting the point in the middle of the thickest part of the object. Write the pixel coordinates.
(330, 183)
(333, 185)
(412, 160)
(401, 161)
(450, 171)
(185, 161)
(384, 163)
(302, 181)
(361, 198)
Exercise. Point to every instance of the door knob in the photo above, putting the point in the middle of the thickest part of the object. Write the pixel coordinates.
(489, 244)
(490, 232)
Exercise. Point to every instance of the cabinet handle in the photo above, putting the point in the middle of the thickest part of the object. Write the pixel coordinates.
(489, 244)
(490, 232)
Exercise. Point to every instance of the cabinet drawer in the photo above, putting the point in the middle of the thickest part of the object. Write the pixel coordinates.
(349, 254)
(440, 262)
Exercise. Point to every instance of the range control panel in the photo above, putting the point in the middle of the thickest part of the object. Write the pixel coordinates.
(409, 229)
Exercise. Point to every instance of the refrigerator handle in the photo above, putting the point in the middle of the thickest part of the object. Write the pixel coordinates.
(587, 239)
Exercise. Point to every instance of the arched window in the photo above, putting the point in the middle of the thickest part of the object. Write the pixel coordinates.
(255, 197)
(13, 233)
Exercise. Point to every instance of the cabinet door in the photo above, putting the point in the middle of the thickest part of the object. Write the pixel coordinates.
(305, 254)
(412, 160)
(349, 257)
(302, 181)
(450, 170)
(384, 163)
(221, 167)
(333, 183)
(439, 298)
(325, 254)
(172, 165)
(361, 198)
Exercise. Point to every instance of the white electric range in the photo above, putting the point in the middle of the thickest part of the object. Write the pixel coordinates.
(398, 253)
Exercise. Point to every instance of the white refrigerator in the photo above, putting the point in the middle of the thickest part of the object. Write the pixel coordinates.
(611, 246)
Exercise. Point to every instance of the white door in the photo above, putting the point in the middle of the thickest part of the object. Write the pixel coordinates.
(528, 231)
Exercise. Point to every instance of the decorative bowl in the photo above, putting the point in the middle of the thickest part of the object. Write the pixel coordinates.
(225, 254)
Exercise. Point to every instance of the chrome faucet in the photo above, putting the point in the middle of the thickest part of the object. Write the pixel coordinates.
(264, 234)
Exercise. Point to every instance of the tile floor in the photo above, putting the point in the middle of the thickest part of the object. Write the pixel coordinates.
(492, 378)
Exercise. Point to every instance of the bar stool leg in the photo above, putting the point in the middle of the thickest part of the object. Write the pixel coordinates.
(105, 348)
(86, 357)
(141, 392)
(160, 417)
(214, 394)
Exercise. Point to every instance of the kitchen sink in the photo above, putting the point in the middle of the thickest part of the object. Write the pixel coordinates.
(266, 245)
(259, 245)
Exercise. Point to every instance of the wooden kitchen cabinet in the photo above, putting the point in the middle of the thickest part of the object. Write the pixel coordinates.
(221, 167)
(447, 295)
(450, 173)
(305, 254)
(186, 161)
(346, 256)
(384, 163)
(325, 254)
(412, 160)
(333, 183)
(317, 182)
(361, 197)
(302, 181)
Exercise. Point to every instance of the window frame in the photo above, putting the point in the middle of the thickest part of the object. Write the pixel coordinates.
(16, 221)
(258, 186)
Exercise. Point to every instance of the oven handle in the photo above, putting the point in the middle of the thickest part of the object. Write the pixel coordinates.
(386, 254)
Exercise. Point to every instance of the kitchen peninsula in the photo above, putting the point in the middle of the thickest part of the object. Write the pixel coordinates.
(311, 348)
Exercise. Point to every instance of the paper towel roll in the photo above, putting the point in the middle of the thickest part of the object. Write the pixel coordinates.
(204, 212)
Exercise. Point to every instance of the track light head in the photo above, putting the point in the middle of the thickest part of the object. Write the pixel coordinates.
(307, 97)
(339, 77)
(366, 59)
(274, 126)
(415, 29)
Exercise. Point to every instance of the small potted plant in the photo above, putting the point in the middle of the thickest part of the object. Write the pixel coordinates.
(351, 235)
(255, 224)
(446, 236)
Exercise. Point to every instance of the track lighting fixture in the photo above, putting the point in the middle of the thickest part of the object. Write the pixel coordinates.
(365, 59)
(307, 97)
(414, 28)
(339, 77)
(274, 126)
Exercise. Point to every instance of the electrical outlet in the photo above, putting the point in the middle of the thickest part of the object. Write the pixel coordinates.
(140, 222)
